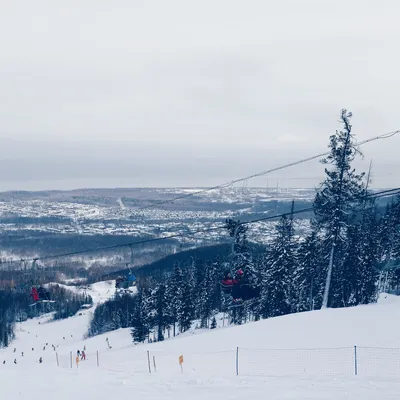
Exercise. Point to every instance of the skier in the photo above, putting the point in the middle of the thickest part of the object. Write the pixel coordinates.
(40, 360)
(15, 360)
(83, 355)
(78, 353)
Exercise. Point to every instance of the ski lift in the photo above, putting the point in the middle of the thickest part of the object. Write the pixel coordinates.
(131, 277)
(125, 282)
(128, 280)
(38, 293)
(23, 264)
(238, 287)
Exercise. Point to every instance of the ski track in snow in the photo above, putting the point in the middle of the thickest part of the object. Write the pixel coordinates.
(209, 367)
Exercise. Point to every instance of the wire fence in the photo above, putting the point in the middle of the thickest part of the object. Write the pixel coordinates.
(365, 361)
(73, 360)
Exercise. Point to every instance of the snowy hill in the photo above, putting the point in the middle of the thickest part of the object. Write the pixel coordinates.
(311, 355)
(99, 292)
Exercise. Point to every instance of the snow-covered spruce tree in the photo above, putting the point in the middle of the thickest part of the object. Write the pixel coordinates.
(340, 191)
(159, 302)
(368, 248)
(213, 323)
(179, 296)
(368, 255)
(215, 274)
(308, 276)
(172, 293)
(196, 270)
(389, 248)
(185, 306)
(169, 309)
(6, 324)
(277, 288)
(208, 294)
(358, 273)
(396, 241)
(142, 316)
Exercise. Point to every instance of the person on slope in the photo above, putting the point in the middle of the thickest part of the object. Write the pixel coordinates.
(83, 355)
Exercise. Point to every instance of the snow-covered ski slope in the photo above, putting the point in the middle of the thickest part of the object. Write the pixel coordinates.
(322, 367)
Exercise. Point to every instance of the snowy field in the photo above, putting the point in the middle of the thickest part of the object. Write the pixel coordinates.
(321, 367)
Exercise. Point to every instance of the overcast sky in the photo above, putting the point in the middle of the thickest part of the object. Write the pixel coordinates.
(192, 93)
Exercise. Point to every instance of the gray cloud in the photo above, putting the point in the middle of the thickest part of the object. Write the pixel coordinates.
(183, 93)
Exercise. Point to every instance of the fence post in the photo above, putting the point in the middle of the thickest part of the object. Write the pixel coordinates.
(148, 361)
(58, 364)
(355, 361)
(70, 357)
(154, 363)
(237, 361)
(97, 356)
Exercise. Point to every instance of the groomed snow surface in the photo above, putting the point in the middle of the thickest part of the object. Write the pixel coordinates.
(321, 364)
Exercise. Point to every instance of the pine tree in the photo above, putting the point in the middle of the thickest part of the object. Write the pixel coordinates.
(179, 296)
(349, 272)
(277, 290)
(389, 248)
(172, 293)
(339, 192)
(185, 307)
(159, 300)
(213, 323)
(366, 290)
(142, 316)
(308, 277)
(208, 295)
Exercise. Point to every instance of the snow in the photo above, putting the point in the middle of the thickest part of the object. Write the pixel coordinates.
(100, 291)
(301, 356)
(103, 212)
